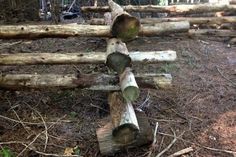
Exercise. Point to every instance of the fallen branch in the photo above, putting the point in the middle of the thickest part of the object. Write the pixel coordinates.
(182, 152)
(233, 83)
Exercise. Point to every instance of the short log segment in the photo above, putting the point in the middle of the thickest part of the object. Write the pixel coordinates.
(62, 31)
(191, 20)
(128, 84)
(82, 58)
(124, 26)
(108, 146)
(101, 82)
(174, 9)
(117, 55)
(125, 124)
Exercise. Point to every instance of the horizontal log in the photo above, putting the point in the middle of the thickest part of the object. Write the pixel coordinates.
(174, 9)
(212, 32)
(88, 81)
(82, 58)
(165, 28)
(191, 20)
(44, 31)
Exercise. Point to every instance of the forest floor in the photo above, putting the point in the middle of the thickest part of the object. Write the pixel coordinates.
(200, 107)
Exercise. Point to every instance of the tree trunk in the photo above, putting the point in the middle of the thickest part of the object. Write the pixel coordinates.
(191, 20)
(124, 26)
(63, 31)
(125, 124)
(82, 58)
(174, 9)
(101, 82)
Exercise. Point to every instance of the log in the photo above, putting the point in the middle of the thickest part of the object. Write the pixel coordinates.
(101, 82)
(125, 124)
(129, 86)
(117, 55)
(124, 26)
(191, 20)
(173, 9)
(83, 58)
(108, 146)
(165, 28)
(46, 31)
(212, 32)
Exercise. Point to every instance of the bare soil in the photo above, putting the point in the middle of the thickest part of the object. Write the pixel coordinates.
(201, 105)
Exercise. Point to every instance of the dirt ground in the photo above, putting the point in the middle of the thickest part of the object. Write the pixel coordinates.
(200, 107)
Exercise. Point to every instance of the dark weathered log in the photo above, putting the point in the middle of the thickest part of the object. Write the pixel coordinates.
(129, 86)
(124, 26)
(125, 124)
(212, 32)
(174, 9)
(82, 58)
(43, 31)
(117, 55)
(108, 146)
(191, 20)
(165, 28)
(90, 82)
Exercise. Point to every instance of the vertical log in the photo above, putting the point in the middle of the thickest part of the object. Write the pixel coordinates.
(126, 128)
(123, 25)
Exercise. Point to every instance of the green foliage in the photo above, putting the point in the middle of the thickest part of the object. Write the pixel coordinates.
(6, 152)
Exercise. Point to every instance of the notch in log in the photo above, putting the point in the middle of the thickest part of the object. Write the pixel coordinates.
(117, 55)
(128, 84)
(123, 25)
(126, 128)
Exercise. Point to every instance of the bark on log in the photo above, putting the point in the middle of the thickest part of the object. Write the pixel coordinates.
(128, 84)
(117, 55)
(108, 146)
(212, 32)
(124, 26)
(174, 9)
(101, 82)
(82, 58)
(191, 20)
(43, 31)
(165, 28)
(125, 124)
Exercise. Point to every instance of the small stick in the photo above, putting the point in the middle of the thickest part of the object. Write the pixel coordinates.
(181, 152)
(233, 83)
(169, 146)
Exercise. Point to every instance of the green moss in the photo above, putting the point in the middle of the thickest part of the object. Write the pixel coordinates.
(129, 34)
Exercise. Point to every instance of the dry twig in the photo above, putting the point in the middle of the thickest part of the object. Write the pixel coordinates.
(181, 152)
(233, 83)
(169, 146)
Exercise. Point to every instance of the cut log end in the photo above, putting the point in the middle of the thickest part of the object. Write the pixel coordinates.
(118, 61)
(125, 134)
(125, 27)
(131, 93)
